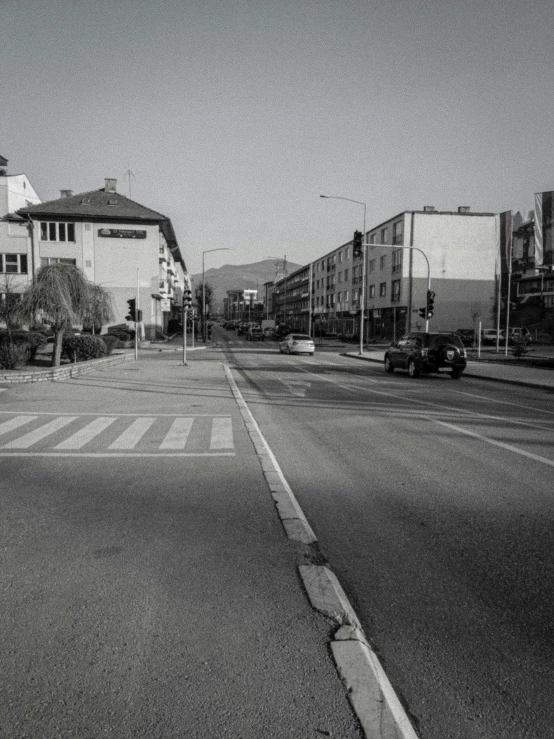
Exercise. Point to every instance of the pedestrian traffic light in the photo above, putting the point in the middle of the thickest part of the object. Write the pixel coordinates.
(357, 248)
(132, 310)
(430, 303)
(423, 312)
(187, 299)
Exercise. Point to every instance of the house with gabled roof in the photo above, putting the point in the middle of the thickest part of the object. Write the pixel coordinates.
(118, 243)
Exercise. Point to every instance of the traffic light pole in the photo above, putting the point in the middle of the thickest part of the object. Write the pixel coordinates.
(413, 248)
(185, 315)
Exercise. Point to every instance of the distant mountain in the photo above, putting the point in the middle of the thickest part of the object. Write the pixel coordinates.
(242, 277)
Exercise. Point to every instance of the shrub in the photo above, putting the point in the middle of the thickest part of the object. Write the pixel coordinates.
(121, 334)
(112, 342)
(13, 354)
(81, 348)
(30, 341)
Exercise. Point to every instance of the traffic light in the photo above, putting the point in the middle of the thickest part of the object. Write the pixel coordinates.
(423, 312)
(132, 310)
(187, 299)
(357, 248)
(430, 303)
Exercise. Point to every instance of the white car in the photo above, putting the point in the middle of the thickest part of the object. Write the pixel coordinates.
(297, 344)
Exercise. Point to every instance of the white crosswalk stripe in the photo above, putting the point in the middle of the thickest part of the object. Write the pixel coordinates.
(117, 435)
(222, 434)
(86, 434)
(15, 423)
(131, 436)
(24, 442)
(177, 436)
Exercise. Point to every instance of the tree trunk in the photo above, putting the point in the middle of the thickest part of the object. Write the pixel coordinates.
(57, 349)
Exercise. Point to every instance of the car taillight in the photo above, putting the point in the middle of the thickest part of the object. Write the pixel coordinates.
(425, 352)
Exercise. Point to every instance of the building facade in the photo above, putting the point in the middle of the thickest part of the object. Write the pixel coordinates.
(15, 192)
(118, 244)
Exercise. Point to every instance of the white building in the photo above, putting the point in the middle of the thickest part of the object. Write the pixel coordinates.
(118, 244)
(15, 192)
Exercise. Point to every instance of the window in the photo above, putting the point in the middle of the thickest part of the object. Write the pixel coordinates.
(56, 260)
(345, 296)
(383, 262)
(13, 264)
(372, 291)
(339, 295)
(398, 232)
(395, 291)
(372, 265)
(383, 289)
(384, 235)
(51, 231)
(340, 257)
(397, 261)
(372, 239)
(340, 276)
(346, 275)
(347, 253)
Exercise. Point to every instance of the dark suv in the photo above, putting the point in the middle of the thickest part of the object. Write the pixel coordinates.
(420, 352)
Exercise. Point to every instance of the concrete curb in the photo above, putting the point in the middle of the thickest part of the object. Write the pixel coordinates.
(373, 699)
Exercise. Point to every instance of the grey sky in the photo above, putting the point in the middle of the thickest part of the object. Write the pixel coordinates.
(235, 115)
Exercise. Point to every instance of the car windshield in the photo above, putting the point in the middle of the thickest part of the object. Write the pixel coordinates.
(301, 337)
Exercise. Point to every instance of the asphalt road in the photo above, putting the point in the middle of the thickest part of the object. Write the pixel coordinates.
(432, 501)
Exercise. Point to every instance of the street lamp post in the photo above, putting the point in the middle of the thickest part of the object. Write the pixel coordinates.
(207, 251)
(364, 245)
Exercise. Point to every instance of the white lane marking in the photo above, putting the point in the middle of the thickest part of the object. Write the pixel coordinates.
(500, 444)
(297, 387)
(27, 440)
(452, 409)
(504, 402)
(177, 436)
(15, 423)
(131, 436)
(105, 455)
(86, 434)
(222, 434)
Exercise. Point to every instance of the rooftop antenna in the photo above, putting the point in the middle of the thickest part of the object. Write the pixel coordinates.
(129, 173)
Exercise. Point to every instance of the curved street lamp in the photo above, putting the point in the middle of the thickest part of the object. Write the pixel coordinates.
(207, 251)
(363, 300)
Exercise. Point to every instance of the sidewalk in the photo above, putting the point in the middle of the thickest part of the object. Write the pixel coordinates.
(493, 370)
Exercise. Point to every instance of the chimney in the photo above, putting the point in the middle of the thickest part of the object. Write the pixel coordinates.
(110, 184)
(66, 193)
(463, 209)
(428, 208)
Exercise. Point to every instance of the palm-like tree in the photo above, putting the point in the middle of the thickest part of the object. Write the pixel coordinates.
(62, 295)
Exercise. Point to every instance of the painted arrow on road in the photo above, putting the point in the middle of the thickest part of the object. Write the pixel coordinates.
(297, 387)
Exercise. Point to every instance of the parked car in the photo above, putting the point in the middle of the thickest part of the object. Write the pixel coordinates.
(467, 335)
(427, 352)
(254, 334)
(282, 330)
(489, 335)
(516, 334)
(269, 332)
(242, 328)
(297, 344)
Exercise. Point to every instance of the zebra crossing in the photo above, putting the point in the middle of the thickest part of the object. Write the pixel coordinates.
(105, 435)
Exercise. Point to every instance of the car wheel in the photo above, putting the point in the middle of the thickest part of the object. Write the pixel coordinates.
(413, 369)
(456, 374)
(388, 365)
